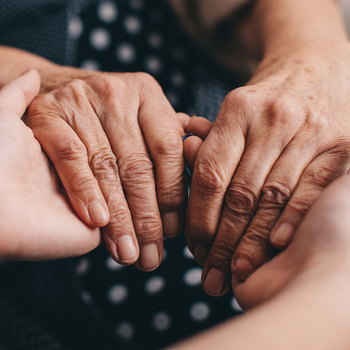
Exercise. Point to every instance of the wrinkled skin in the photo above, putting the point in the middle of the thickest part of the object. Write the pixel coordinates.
(275, 145)
(320, 246)
(116, 144)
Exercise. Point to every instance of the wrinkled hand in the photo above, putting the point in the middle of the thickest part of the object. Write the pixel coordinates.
(37, 221)
(275, 145)
(321, 244)
(115, 142)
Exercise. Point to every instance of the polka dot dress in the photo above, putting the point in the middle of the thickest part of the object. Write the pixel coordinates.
(146, 310)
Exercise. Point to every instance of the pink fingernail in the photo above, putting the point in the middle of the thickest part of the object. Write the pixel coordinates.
(171, 224)
(149, 257)
(200, 253)
(244, 266)
(126, 249)
(98, 213)
(283, 234)
(214, 282)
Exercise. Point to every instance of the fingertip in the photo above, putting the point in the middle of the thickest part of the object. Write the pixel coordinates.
(281, 235)
(191, 147)
(199, 126)
(242, 268)
(99, 215)
(30, 82)
(183, 118)
(127, 250)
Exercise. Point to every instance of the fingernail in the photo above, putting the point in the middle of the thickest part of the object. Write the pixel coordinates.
(214, 282)
(149, 258)
(194, 116)
(97, 213)
(126, 249)
(171, 222)
(200, 253)
(283, 234)
(244, 266)
(186, 137)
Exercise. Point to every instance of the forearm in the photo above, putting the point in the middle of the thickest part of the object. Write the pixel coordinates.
(287, 27)
(311, 314)
(14, 62)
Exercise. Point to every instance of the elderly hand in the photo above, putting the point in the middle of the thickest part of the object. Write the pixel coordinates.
(37, 221)
(320, 246)
(275, 145)
(115, 142)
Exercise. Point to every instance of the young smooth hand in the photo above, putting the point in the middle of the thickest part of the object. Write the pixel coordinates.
(37, 221)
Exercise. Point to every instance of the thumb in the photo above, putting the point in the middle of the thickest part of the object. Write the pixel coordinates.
(19, 93)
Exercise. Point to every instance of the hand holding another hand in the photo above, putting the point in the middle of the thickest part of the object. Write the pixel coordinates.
(37, 221)
(275, 145)
(115, 142)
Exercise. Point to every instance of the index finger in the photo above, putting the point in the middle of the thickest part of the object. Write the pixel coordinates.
(18, 94)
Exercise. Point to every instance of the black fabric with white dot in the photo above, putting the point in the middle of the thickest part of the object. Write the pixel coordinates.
(150, 310)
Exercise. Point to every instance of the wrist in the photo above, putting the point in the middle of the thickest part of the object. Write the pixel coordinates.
(57, 75)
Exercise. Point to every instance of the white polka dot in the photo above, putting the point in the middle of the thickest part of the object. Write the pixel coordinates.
(186, 252)
(155, 40)
(125, 53)
(235, 306)
(118, 293)
(100, 39)
(132, 25)
(161, 321)
(90, 64)
(155, 285)
(137, 4)
(153, 65)
(177, 79)
(192, 277)
(112, 265)
(125, 330)
(82, 267)
(107, 11)
(199, 311)
(75, 27)
(86, 297)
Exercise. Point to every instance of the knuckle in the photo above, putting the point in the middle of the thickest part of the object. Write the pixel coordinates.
(80, 183)
(120, 222)
(148, 228)
(319, 177)
(240, 200)
(169, 145)
(68, 149)
(146, 80)
(300, 205)
(171, 194)
(256, 240)
(207, 178)
(136, 168)
(103, 164)
(240, 99)
(274, 195)
(221, 254)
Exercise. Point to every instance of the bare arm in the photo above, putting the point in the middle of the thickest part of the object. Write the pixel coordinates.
(276, 143)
